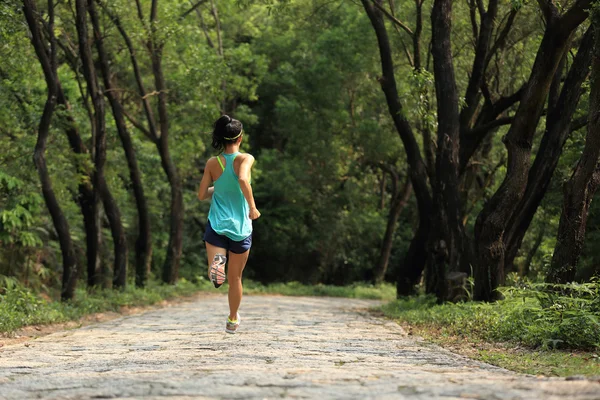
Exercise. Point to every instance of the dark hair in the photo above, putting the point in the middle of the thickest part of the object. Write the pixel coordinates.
(226, 130)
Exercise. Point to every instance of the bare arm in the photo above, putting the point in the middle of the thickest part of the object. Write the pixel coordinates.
(244, 180)
(204, 191)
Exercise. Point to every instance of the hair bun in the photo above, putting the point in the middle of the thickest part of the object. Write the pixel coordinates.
(223, 121)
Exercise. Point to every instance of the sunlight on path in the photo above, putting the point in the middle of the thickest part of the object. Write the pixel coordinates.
(287, 347)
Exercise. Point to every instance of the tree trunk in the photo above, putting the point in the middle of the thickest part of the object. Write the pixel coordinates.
(47, 59)
(397, 204)
(493, 219)
(409, 275)
(118, 234)
(413, 265)
(86, 197)
(447, 242)
(171, 265)
(143, 248)
(558, 129)
(101, 191)
(99, 126)
(580, 189)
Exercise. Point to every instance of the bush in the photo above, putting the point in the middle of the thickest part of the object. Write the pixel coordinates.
(19, 306)
(539, 315)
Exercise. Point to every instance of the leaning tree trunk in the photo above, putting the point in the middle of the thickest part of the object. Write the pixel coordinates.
(559, 128)
(99, 182)
(580, 189)
(411, 269)
(493, 219)
(47, 59)
(144, 240)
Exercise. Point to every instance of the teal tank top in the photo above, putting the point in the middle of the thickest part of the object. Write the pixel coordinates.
(229, 210)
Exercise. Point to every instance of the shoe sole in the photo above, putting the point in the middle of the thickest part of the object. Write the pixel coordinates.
(213, 277)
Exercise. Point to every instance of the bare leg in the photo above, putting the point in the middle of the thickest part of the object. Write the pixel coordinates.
(211, 251)
(237, 262)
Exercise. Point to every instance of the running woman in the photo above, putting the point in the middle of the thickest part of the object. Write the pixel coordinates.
(232, 209)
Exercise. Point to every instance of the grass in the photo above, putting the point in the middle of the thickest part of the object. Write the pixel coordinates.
(20, 307)
(525, 332)
(385, 291)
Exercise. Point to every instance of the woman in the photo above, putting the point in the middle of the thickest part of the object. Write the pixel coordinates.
(232, 209)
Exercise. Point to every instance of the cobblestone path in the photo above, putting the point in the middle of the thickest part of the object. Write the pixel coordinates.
(287, 347)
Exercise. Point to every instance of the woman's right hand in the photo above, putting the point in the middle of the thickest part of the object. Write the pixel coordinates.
(254, 213)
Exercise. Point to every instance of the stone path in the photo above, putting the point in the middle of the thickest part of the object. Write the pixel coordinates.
(287, 347)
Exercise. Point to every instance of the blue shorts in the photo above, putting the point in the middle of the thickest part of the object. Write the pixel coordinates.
(212, 237)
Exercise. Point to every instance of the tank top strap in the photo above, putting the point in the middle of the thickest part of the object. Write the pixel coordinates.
(220, 163)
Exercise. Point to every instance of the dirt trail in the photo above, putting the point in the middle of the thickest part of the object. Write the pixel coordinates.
(287, 347)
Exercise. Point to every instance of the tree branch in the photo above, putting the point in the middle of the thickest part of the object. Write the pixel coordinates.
(153, 11)
(473, 18)
(194, 7)
(575, 15)
(204, 29)
(548, 9)
(392, 18)
(139, 10)
(504, 103)
(139, 125)
(484, 129)
(579, 123)
(501, 38)
(136, 70)
(215, 14)
(479, 63)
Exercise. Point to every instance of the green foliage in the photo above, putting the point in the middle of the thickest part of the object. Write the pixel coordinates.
(357, 290)
(18, 209)
(538, 316)
(20, 306)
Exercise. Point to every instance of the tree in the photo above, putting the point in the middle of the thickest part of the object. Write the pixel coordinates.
(101, 189)
(414, 262)
(47, 59)
(559, 126)
(160, 137)
(397, 204)
(493, 219)
(143, 247)
(447, 240)
(580, 189)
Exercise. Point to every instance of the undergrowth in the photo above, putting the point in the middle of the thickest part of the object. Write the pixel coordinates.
(536, 316)
(384, 291)
(20, 306)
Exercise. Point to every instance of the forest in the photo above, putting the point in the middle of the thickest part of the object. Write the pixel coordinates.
(444, 147)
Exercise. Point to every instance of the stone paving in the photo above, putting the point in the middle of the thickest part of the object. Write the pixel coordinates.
(287, 347)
